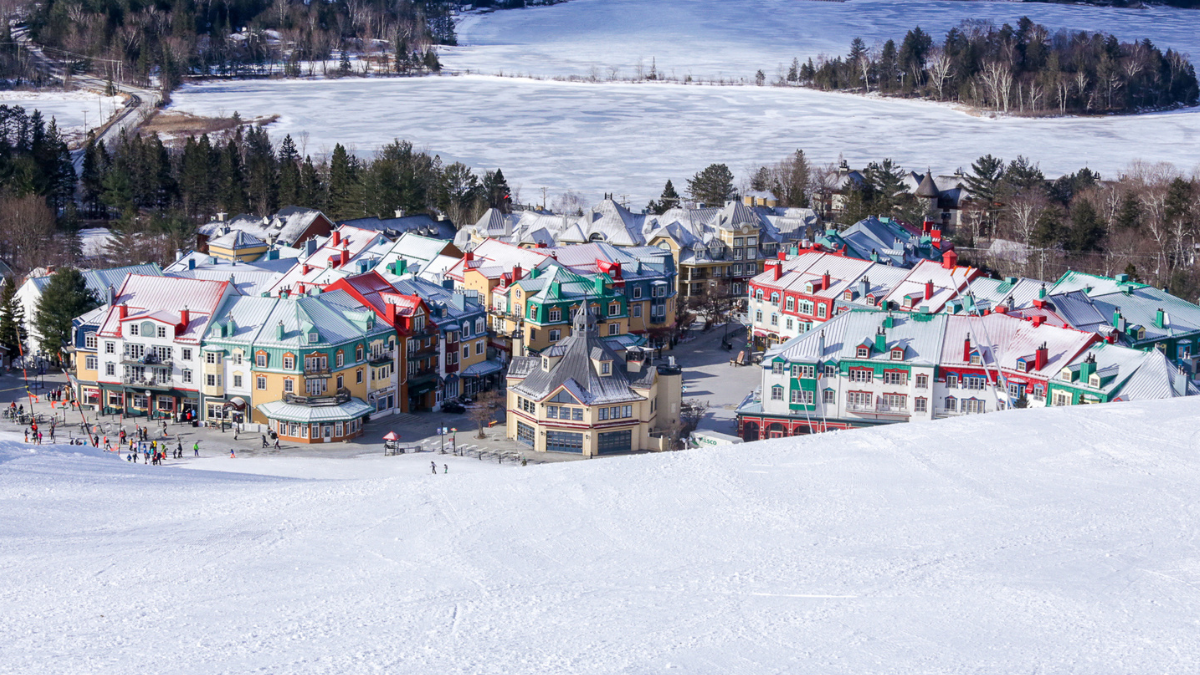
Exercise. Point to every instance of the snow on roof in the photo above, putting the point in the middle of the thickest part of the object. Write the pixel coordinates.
(1001, 340)
(165, 297)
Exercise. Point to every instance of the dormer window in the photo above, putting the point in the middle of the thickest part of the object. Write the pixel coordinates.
(546, 363)
(605, 368)
(870, 299)
(897, 354)
(555, 314)
(848, 295)
(864, 352)
(614, 308)
(314, 337)
(1094, 380)
(975, 359)
(1065, 374)
(808, 288)
(791, 304)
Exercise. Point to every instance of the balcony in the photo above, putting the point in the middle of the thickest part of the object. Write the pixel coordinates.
(142, 383)
(147, 360)
(387, 356)
(338, 398)
(879, 409)
(316, 370)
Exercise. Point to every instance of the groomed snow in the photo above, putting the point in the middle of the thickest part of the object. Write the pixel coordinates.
(67, 108)
(629, 139)
(713, 39)
(1051, 540)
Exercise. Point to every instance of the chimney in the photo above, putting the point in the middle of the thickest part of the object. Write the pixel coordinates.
(344, 258)
(391, 313)
(300, 288)
(880, 341)
(1039, 303)
(929, 289)
(1042, 292)
(936, 236)
(191, 263)
(1160, 318)
(469, 256)
(399, 213)
(782, 255)
(185, 317)
(825, 281)
(1038, 320)
(337, 238)
(864, 287)
(1041, 357)
(1087, 368)
(967, 350)
(1002, 308)
(178, 254)
(305, 269)
(776, 271)
(1180, 382)
(1118, 320)
(122, 311)
(516, 273)
(221, 217)
(949, 259)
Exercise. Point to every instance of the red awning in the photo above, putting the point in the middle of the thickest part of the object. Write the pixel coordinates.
(391, 436)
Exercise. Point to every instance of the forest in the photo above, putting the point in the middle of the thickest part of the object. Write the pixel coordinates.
(173, 38)
(1026, 70)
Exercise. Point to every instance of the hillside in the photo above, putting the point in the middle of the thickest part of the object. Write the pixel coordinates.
(1052, 540)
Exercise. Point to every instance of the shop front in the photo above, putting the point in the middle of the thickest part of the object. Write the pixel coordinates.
(300, 423)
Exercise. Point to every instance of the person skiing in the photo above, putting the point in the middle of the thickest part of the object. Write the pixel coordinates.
(445, 468)
(232, 455)
(433, 465)
(179, 451)
(196, 448)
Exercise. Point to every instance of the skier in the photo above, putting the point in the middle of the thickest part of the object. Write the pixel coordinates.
(264, 439)
(445, 469)
(179, 451)
(196, 448)
(231, 454)
(433, 465)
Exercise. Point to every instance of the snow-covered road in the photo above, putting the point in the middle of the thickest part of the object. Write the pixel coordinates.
(1053, 540)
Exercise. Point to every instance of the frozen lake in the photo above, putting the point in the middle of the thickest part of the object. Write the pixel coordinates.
(630, 138)
(712, 39)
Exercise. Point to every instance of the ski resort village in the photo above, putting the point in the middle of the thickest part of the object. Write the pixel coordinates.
(600, 336)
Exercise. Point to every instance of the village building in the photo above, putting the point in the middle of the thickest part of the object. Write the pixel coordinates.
(347, 251)
(237, 245)
(287, 227)
(538, 308)
(579, 396)
(149, 345)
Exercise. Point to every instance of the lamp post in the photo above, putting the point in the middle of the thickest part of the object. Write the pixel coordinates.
(442, 440)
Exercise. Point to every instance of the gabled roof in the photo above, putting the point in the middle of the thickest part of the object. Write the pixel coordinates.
(166, 296)
(237, 239)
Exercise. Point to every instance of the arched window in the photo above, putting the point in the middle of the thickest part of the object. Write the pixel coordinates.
(777, 393)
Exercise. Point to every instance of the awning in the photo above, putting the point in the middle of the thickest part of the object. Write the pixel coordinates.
(391, 436)
(483, 368)
(236, 402)
(424, 387)
(294, 412)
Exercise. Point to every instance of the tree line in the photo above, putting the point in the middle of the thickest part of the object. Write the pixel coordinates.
(171, 38)
(1023, 70)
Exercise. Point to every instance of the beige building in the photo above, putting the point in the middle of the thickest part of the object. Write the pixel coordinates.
(579, 396)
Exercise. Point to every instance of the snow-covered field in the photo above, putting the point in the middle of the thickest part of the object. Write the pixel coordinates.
(630, 138)
(715, 39)
(1051, 540)
(67, 108)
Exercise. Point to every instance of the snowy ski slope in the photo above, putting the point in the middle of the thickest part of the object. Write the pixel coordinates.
(1051, 540)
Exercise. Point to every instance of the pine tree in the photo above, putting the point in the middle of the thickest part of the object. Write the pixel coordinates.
(1087, 229)
(12, 317)
(669, 199)
(345, 194)
(65, 297)
(495, 189)
(231, 186)
(312, 191)
(712, 186)
(1129, 215)
(289, 173)
(793, 74)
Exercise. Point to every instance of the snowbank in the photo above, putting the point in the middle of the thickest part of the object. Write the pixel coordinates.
(1052, 540)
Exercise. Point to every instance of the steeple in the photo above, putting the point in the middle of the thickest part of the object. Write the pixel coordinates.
(584, 320)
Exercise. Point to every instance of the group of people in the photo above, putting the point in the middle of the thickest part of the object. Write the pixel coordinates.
(154, 452)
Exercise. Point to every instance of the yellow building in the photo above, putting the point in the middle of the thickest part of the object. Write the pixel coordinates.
(579, 396)
(237, 245)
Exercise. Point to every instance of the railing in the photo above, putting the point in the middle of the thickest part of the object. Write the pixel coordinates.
(316, 370)
(338, 398)
(146, 383)
(147, 360)
(878, 409)
(383, 357)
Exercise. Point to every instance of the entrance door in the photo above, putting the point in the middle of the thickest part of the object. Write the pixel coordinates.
(750, 431)
(615, 441)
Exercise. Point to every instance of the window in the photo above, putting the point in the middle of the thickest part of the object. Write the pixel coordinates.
(774, 298)
(237, 381)
(951, 404)
(614, 308)
(802, 396)
(466, 352)
(555, 334)
(791, 304)
(289, 386)
(260, 383)
(952, 382)
(804, 372)
(758, 316)
(603, 414)
(859, 400)
(777, 393)
(1063, 398)
(340, 359)
(922, 381)
(133, 329)
(976, 383)
(895, 377)
(187, 376)
(110, 348)
(358, 353)
(774, 319)
(829, 396)
(186, 354)
(555, 315)
(821, 311)
(358, 375)
(758, 295)
(637, 292)
(830, 370)
(479, 347)
(89, 341)
(314, 387)
(863, 352)
(110, 369)
(289, 362)
(210, 380)
(973, 406)
(1039, 391)
(210, 357)
(893, 401)
(861, 375)
(637, 311)
(614, 329)
(789, 323)
(552, 412)
(919, 405)
(897, 354)
(627, 411)
(777, 368)
(975, 360)
(162, 331)
(91, 362)
(577, 414)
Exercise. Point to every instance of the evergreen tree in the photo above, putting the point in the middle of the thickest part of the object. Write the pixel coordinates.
(669, 199)
(289, 173)
(792, 180)
(712, 186)
(65, 297)
(345, 195)
(12, 318)
(231, 185)
(793, 74)
(496, 192)
(886, 179)
(1023, 175)
(1129, 214)
(1048, 231)
(984, 179)
(1087, 229)
(312, 190)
